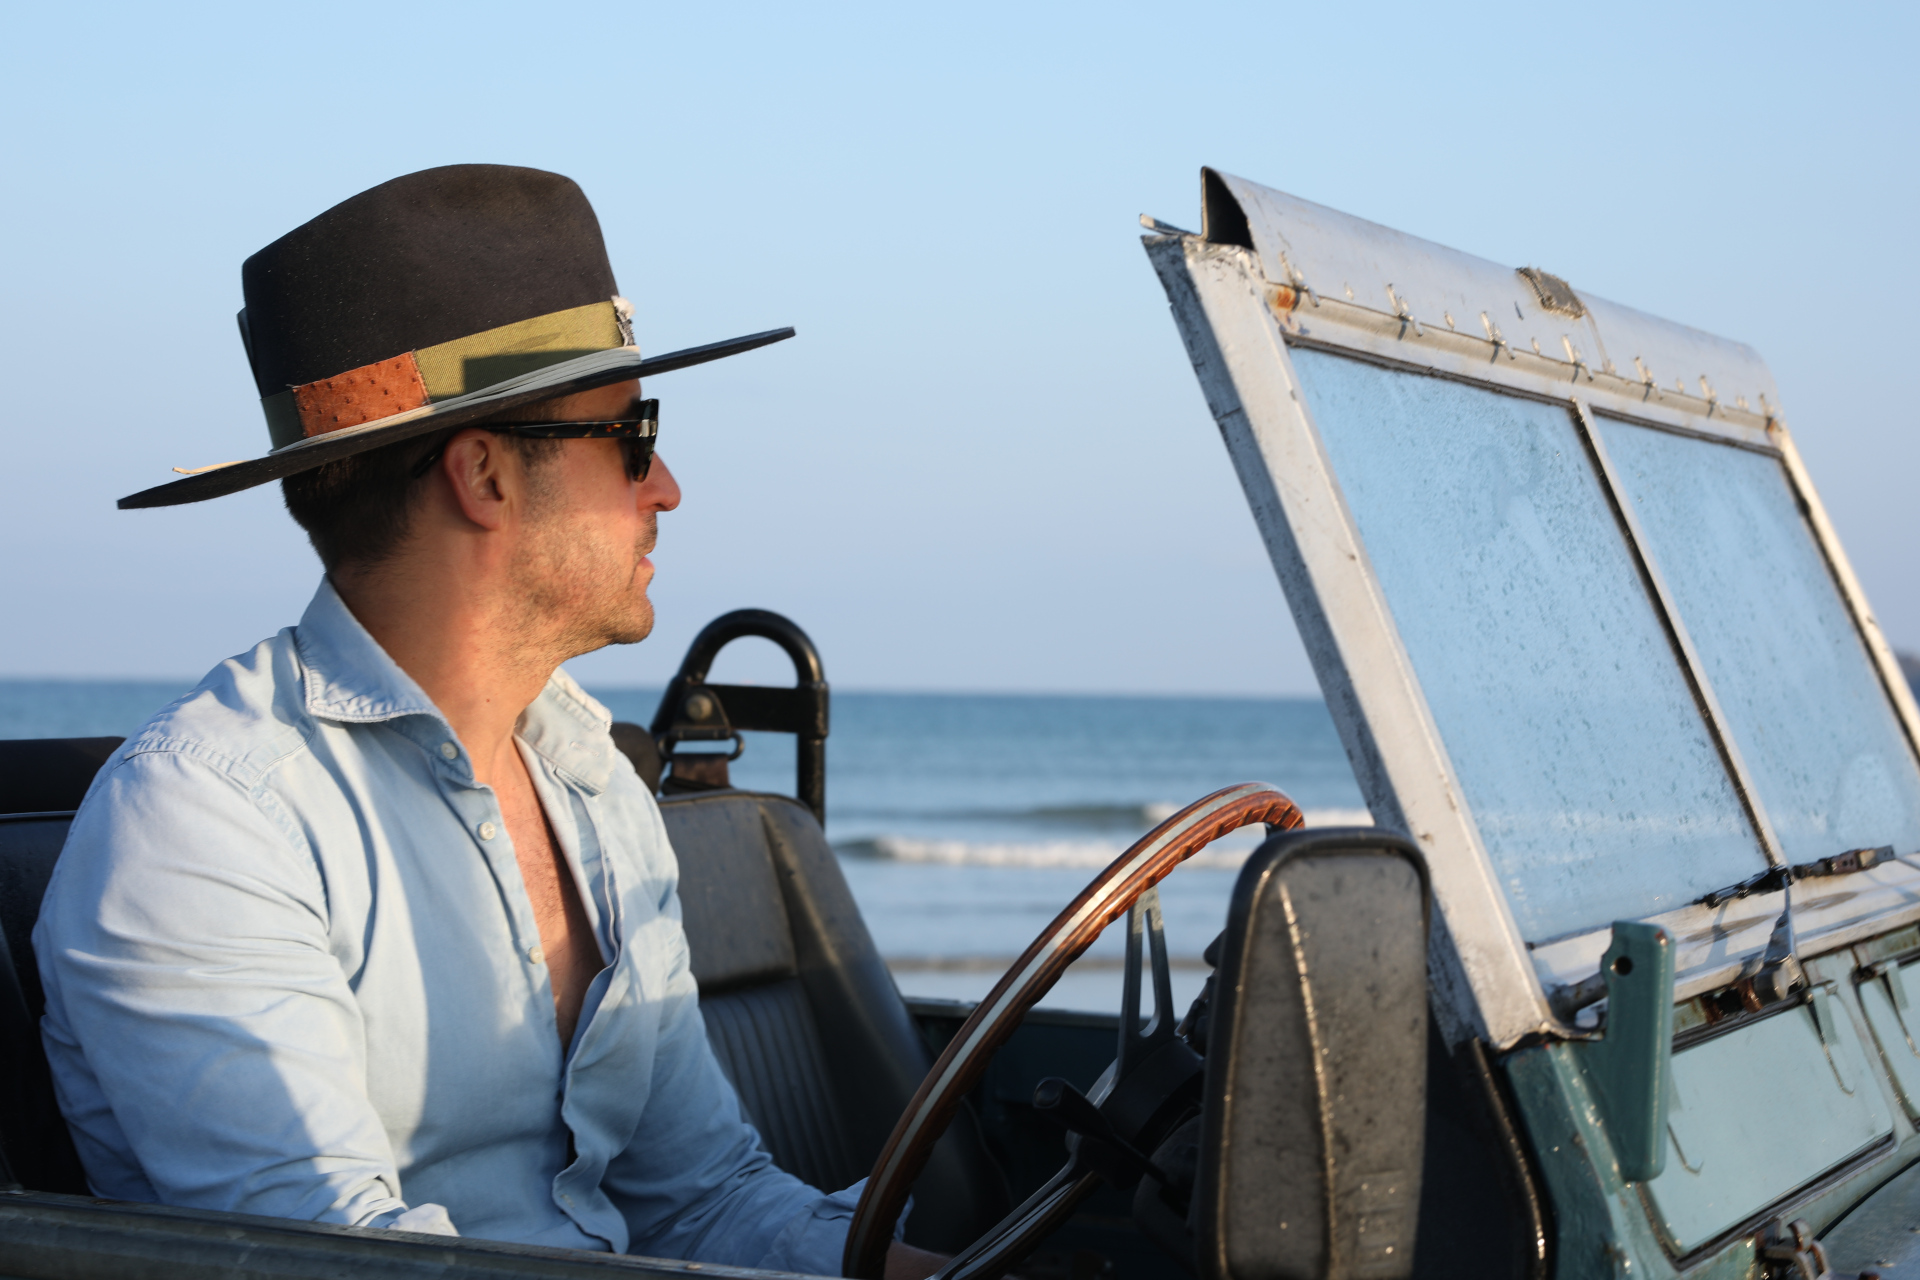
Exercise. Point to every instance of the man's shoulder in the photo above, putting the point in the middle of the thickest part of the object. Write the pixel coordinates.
(244, 717)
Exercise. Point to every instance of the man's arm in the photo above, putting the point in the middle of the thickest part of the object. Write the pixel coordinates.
(205, 1044)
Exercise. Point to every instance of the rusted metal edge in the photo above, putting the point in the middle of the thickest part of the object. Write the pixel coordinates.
(1429, 288)
(1357, 331)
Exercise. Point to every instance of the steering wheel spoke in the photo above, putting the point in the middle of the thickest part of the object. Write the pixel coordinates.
(1137, 1041)
(1020, 1232)
(1137, 1093)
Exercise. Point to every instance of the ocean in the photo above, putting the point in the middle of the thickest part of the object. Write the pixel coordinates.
(964, 822)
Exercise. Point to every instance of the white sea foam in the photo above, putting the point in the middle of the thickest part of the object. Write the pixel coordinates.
(1086, 854)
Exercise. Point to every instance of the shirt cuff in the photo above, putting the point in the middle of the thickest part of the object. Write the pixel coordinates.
(816, 1238)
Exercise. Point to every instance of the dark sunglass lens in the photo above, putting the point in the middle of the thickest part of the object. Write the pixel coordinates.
(638, 454)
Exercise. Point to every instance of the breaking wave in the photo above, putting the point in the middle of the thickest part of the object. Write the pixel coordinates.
(1099, 816)
(1083, 854)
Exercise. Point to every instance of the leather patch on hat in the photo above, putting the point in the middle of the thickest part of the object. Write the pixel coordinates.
(373, 391)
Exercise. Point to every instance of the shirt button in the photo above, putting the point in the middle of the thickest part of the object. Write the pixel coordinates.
(536, 955)
(488, 830)
(448, 751)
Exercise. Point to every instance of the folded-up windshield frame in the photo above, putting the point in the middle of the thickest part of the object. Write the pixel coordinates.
(1307, 375)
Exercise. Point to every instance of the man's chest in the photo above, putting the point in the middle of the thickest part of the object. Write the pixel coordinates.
(438, 929)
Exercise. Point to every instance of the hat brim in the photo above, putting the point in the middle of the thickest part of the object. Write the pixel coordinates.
(584, 373)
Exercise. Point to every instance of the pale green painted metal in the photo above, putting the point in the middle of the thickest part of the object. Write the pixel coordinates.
(1886, 1000)
(1631, 1064)
(1761, 1111)
(1600, 1227)
(1605, 1226)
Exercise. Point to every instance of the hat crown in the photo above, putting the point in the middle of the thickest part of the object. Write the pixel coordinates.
(424, 259)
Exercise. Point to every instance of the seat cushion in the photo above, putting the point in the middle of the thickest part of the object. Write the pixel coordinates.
(29, 846)
(802, 1011)
(768, 1043)
(36, 1149)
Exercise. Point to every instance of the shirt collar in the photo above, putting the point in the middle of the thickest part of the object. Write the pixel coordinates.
(350, 678)
(569, 729)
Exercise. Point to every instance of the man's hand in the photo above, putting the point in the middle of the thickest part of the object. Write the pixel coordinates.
(904, 1262)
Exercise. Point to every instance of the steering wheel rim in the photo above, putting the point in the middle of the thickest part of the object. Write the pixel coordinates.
(1040, 966)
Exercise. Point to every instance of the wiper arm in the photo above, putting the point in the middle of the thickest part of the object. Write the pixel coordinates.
(1780, 974)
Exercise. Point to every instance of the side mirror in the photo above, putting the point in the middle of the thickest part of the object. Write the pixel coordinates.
(1315, 1107)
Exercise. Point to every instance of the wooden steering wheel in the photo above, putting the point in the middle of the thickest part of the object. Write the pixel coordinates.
(1129, 879)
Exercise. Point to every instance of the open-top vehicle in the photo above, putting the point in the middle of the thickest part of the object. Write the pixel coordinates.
(1615, 988)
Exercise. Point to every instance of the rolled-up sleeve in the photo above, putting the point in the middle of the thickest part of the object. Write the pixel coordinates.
(184, 949)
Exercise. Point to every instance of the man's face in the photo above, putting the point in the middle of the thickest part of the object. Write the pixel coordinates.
(583, 560)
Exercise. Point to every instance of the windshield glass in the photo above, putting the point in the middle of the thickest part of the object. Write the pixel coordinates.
(1795, 684)
(1585, 759)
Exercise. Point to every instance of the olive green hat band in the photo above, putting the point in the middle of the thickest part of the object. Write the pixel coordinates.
(415, 379)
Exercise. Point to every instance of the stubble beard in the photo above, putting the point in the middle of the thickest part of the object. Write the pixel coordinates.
(584, 592)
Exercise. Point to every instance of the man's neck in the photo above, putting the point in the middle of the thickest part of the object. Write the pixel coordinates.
(473, 653)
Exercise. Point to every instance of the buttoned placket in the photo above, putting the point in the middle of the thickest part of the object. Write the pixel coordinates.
(578, 834)
(478, 808)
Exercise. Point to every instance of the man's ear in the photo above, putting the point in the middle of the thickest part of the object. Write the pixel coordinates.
(483, 475)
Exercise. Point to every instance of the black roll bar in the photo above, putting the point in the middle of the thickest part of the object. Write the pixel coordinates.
(692, 710)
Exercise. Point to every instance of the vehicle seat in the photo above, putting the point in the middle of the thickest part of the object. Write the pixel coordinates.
(800, 1009)
(802, 1012)
(42, 781)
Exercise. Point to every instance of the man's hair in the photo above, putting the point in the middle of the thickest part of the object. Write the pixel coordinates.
(357, 510)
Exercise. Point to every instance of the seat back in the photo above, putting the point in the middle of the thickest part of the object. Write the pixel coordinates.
(802, 1012)
(42, 781)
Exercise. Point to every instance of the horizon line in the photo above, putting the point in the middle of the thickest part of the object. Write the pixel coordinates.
(185, 683)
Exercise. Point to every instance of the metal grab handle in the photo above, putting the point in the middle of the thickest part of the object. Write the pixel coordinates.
(800, 710)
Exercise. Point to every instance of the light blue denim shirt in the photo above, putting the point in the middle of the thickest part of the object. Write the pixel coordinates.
(291, 969)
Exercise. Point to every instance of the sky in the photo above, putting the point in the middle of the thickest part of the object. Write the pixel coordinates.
(984, 464)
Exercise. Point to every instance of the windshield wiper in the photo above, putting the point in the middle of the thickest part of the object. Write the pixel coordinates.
(1775, 879)
(1779, 973)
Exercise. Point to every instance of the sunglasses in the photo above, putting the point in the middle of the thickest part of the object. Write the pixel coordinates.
(636, 437)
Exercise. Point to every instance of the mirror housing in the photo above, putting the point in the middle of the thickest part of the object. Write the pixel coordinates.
(1314, 1118)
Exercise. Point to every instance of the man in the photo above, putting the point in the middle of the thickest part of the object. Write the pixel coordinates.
(376, 926)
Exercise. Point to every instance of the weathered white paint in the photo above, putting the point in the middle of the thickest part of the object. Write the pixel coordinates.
(1310, 246)
(1484, 983)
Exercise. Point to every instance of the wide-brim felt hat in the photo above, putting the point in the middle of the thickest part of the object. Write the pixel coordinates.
(437, 300)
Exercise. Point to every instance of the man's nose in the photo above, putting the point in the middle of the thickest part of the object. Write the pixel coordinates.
(659, 491)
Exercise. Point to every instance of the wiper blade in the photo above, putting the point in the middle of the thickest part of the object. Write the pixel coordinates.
(1775, 879)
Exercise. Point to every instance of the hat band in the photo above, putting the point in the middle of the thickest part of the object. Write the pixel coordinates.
(414, 379)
